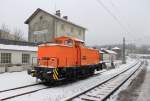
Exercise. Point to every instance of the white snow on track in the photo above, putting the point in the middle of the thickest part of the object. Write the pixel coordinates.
(60, 92)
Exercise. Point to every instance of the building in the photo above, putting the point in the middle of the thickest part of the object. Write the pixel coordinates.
(17, 56)
(108, 55)
(118, 51)
(43, 26)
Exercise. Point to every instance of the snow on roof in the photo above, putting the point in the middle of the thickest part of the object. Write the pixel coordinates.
(101, 52)
(18, 47)
(110, 52)
(116, 48)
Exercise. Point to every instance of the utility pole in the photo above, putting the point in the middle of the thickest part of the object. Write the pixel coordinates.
(123, 53)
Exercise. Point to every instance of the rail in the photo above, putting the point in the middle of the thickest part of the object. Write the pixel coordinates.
(104, 82)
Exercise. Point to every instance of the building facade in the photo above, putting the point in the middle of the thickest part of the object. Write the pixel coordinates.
(44, 26)
(17, 55)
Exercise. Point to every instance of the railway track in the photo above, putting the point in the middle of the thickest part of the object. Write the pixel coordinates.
(19, 91)
(104, 90)
(24, 90)
(19, 87)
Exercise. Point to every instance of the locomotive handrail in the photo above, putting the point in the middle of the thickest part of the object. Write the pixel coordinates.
(33, 59)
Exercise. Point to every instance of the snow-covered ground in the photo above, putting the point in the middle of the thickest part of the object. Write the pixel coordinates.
(18, 79)
(11, 80)
(116, 95)
(145, 89)
(15, 79)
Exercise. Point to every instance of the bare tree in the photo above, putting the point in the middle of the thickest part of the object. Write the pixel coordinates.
(5, 28)
(18, 35)
(4, 31)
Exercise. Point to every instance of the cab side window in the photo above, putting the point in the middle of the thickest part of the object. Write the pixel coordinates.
(68, 42)
(80, 44)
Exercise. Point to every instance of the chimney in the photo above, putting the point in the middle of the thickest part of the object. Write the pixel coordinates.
(58, 13)
(65, 17)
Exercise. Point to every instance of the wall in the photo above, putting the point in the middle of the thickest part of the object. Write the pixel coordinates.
(69, 30)
(106, 57)
(109, 57)
(119, 54)
(41, 28)
(17, 56)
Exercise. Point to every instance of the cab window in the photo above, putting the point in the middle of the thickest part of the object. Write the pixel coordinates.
(80, 44)
(68, 42)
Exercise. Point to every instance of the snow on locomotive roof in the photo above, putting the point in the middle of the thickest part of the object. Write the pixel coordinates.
(18, 47)
(72, 38)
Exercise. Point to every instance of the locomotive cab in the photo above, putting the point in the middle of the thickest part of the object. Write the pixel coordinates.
(68, 41)
(57, 50)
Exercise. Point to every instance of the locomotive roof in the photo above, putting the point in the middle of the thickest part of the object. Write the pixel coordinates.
(65, 38)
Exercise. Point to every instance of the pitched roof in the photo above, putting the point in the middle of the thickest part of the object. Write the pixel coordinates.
(111, 52)
(101, 52)
(55, 16)
(108, 51)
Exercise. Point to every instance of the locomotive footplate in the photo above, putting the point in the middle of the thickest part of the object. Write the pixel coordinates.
(46, 74)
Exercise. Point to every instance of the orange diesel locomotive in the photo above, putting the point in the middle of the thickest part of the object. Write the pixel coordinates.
(65, 57)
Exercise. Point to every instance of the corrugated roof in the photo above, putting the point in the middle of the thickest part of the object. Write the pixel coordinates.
(57, 17)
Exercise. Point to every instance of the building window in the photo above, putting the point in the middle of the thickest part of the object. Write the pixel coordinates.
(5, 57)
(25, 58)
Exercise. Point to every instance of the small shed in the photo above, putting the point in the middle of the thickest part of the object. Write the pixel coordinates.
(118, 51)
(109, 55)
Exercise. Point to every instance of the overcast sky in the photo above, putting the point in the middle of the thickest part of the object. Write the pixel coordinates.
(133, 15)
